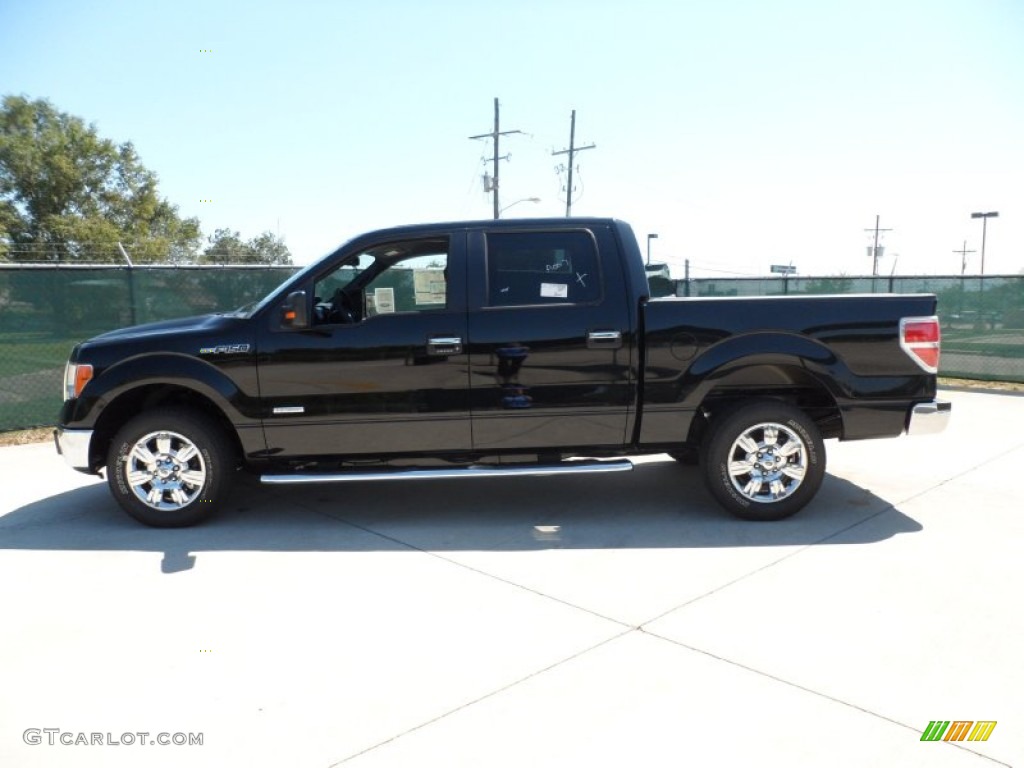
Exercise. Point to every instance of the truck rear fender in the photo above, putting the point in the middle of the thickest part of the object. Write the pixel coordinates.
(799, 370)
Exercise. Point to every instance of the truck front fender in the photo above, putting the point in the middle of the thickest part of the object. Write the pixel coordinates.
(168, 370)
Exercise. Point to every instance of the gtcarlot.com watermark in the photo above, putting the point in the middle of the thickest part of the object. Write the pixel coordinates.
(59, 737)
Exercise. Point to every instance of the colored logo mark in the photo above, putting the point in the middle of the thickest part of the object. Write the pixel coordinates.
(958, 730)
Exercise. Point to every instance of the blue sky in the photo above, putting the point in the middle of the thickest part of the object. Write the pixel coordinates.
(744, 133)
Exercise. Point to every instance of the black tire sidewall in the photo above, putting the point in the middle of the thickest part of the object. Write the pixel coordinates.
(715, 459)
(211, 445)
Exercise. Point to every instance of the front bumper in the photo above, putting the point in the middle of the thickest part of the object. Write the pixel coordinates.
(929, 418)
(73, 445)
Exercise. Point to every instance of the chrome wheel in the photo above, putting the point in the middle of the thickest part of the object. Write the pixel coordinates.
(763, 460)
(767, 462)
(165, 470)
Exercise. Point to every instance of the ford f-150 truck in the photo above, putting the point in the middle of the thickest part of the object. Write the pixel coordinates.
(488, 348)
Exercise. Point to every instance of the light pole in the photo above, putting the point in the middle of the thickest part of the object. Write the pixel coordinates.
(650, 237)
(984, 226)
(523, 200)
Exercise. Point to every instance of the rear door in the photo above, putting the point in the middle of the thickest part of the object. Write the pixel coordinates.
(549, 337)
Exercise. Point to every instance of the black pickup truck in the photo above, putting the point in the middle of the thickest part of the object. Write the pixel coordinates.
(489, 348)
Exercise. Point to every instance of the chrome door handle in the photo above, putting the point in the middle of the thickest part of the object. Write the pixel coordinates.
(444, 345)
(604, 340)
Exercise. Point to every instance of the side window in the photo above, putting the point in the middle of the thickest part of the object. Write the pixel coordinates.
(416, 284)
(542, 268)
(405, 276)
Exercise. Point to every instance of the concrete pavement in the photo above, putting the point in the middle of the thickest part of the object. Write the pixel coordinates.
(622, 619)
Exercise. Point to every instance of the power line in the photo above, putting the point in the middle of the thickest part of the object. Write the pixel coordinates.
(571, 151)
(701, 267)
(963, 258)
(495, 135)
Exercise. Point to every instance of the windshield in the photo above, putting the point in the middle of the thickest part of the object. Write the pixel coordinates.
(247, 310)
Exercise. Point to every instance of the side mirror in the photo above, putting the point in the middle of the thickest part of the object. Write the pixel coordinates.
(294, 311)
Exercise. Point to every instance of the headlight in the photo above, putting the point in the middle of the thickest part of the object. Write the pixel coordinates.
(76, 376)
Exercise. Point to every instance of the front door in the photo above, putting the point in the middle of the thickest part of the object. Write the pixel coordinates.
(382, 367)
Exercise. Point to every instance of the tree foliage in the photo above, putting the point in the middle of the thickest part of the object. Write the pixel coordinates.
(67, 194)
(227, 247)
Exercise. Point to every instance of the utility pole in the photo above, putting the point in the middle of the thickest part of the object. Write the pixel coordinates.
(874, 251)
(571, 151)
(963, 258)
(495, 135)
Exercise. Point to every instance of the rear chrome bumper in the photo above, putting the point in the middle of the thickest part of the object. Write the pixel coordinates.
(73, 445)
(929, 418)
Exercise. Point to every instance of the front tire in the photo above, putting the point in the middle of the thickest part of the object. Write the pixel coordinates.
(168, 468)
(764, 461)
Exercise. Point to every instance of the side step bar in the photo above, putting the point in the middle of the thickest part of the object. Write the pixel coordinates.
(532, 470)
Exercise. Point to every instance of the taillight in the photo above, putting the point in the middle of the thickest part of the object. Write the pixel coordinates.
(76, 376)
(920, 338)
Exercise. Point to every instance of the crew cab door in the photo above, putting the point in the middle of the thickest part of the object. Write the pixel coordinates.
(381, 367)
(550, 340)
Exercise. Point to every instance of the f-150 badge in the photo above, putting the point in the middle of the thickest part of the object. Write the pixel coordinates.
(224, 349)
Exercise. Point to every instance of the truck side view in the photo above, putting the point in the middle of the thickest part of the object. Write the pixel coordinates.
(475, 349)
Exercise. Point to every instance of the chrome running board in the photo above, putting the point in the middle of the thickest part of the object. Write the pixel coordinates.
(476, 470)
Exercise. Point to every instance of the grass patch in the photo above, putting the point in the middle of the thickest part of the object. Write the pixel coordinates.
(27, 436)
(37, 412)
(986, 350)
(28, 357)
(987, 384)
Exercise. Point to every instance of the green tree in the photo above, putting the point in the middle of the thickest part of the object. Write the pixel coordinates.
(227, 247)
(67, 194)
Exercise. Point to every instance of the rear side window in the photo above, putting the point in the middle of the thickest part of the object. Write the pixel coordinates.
(542, 268)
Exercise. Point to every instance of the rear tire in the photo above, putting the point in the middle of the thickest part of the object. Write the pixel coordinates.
(169, 468)
(763, 461)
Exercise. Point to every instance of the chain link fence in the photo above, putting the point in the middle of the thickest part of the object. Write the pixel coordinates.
(982, 317)
(45, 310)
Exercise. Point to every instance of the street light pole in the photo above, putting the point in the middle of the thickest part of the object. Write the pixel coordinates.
(984, 226)
(650, 237)
(522, 200)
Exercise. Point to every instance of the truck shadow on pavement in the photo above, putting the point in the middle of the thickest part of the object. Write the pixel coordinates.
(659, 505)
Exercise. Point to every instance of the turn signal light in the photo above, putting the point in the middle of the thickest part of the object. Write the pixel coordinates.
(920, 337)
(76, 376)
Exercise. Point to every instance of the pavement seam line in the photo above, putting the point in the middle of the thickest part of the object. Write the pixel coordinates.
(486, 696)
(472, 569)
(962, 473)
(811, 691)
(888, 508)
(766, 566)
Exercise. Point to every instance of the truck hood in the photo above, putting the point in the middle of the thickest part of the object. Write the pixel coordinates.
(186, 336)
(200, 325)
